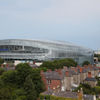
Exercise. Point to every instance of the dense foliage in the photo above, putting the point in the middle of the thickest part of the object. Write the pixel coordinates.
(85, 63)
(23, 83)
(1, 61)
(1, 71)
(56, 64)
(87, 89)
(51, 97)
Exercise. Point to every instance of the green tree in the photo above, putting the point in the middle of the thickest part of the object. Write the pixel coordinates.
(36, 78)
(1, 61)
(56, 64)
(85, 63)
(29, 88)
(97, 90)
(87, 89)
(23, 70)
(1, 71)
(5, 94)
(19, 94)
(9, 77)
(48, 65)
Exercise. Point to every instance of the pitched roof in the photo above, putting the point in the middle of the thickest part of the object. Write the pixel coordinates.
(88, 97)
(66, 94)
(90, 79)
(52, 75)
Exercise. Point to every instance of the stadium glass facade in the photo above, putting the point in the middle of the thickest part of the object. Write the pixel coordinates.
(17, 49)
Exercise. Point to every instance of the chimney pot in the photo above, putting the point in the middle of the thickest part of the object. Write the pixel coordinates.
(89, 74)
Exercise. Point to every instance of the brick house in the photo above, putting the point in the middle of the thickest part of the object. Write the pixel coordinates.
(68, 78)
(90, 80)
(52, 80)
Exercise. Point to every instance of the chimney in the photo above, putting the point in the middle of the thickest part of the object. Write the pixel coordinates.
(67, 73)
(72, 68)
(94, 65)
(90, 65)
(49, 70)
(75, 70)
(85, 66)
(78, 66)
(59, 71)
(80, 70)
(89, 74)
(65, 68)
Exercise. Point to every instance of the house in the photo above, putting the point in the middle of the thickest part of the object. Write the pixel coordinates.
(67, 79)
(52, 80)
(90, 80)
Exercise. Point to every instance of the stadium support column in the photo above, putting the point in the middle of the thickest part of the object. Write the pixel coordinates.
(23, 47)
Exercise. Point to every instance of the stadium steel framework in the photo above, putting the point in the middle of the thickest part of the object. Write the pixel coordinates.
(20, 49)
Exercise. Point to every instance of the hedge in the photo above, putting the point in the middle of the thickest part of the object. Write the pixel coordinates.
(50, 97)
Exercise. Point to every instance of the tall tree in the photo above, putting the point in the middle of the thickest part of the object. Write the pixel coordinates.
(9, 77)
(56, 64)
(23, 70)
(1, 71)
(5, 94)
(85, 63)
(29, 88)
(36, 78)
(1, 61)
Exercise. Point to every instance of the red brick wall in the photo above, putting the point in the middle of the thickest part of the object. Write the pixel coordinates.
(54, 84)
(89, 74)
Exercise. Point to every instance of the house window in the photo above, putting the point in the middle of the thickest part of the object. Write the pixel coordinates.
(49, 81)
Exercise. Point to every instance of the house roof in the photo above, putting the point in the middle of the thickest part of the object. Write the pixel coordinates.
(52, 75)
(88, 97)
(66, 94)
(90, 79)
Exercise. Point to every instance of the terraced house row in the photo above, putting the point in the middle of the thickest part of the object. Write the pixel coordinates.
(67, 79)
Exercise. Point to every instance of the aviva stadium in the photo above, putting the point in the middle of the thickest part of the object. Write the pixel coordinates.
(41, 50)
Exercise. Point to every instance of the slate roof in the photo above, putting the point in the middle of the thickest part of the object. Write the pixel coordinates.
(53, 75)
(90, 79)
(95, 68)
(72, 72)
(88, 97)
(84, 71)
(66, 94)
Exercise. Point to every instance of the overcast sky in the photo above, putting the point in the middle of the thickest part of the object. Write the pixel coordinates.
(76, 21)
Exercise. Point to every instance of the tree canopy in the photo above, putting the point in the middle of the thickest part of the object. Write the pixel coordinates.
(56, 64)
(23, 83)
(85, 63)
(29, 88)
(1, 61)
(87, 89)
